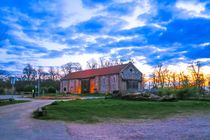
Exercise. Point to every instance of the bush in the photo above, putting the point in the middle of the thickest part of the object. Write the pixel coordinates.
(11, 99)
(51, 90)
(183, 93)
(47, 83)
(44, 89)
(186, 92)
(165, 91)
(2, 91)
(116, 92)
(55, 103)
(39, 113)
(28, 88)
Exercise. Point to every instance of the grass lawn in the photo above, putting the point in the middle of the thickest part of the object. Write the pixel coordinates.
(7, 102)
(99, 110)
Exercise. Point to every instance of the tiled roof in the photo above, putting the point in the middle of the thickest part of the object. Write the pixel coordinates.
(96, 72)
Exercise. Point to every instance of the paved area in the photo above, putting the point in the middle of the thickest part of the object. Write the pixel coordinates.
(16, 124)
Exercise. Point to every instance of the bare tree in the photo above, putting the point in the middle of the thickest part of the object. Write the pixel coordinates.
(92, 64)
(197, 75)
(184, 80)
(102, 62)
(154, 80)
(29, 72)
(52, 73)
(174, 79)
(106, 62)
(161, 75)
(70, 67)
(40, 72)
(58, 75)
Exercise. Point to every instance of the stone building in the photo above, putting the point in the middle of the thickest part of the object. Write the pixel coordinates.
(125, 78)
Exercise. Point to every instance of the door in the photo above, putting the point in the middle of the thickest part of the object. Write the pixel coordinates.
(132, 86)
(85, 86)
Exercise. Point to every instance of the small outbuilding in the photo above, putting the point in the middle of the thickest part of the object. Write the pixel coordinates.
(124, 78)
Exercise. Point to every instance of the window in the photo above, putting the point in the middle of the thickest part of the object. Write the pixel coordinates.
(132, 84)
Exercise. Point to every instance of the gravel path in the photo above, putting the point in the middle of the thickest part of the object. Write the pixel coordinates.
(16, 124)
(179, 128)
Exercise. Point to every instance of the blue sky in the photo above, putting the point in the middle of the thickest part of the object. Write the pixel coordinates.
(54, 32)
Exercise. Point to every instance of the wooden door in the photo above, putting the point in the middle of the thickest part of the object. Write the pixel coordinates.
(85, 86)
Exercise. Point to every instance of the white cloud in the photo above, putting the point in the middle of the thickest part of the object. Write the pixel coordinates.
(123, 1)
(204, 44)
(143, 7)
(192, 8)
(206, 70)
(81, 58)
(51, 45)
(179, 67)
(203, 60)
(73, 12)
(140, 63)
(42, 42)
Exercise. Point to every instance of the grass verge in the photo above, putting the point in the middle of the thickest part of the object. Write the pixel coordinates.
(100, 110)
(8, 102)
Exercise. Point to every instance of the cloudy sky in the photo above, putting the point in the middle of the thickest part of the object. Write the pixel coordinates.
(54, 32)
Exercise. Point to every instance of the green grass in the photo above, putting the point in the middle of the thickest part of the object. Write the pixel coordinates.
(7, 102)
(99, 110)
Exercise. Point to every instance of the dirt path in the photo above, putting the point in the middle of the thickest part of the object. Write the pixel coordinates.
(16, 124)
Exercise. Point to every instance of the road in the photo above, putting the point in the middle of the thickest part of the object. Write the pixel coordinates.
(16, 124)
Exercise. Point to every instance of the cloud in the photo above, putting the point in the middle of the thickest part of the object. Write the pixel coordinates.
(94, 3)
(148, 31)
(133, 20)
(119, 9)
(73, 12)
(192, 9)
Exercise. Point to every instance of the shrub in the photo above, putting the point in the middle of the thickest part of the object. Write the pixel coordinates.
(2, 91)
(116, 92)
(186, 92)
(11, 99)
(39, 112)
(51, 90)
(28, 88)
(55, 103)
(165, 91)
(183, 93)
(44, 89)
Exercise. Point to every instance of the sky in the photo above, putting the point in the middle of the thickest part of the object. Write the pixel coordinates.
(150, 32)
